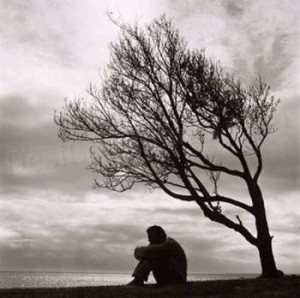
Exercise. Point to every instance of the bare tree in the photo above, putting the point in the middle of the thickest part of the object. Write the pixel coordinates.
(159, 108)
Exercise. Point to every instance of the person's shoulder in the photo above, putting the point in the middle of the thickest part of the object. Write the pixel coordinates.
(170, 240)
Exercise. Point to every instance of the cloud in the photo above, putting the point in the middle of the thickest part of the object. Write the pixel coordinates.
(96, 233)
(249, 37)
(64, 235)
(32, 155)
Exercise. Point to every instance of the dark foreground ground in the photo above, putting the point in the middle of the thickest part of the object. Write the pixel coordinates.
(288, 287)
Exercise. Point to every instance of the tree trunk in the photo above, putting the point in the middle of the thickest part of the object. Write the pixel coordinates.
(264, 240)
(267, 260)
(264, 244)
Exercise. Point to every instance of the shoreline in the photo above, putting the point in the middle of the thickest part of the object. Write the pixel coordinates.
(18, 280)
(288, 286)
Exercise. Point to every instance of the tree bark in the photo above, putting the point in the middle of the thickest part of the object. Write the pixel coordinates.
(264, 239)
(268, 265)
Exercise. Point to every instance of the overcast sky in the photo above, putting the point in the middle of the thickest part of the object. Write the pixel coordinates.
(51, 218)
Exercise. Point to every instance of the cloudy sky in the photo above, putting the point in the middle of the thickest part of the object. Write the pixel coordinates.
(51, 217)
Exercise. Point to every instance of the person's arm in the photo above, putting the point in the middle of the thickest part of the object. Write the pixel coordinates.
(139, 252)
(153, 250)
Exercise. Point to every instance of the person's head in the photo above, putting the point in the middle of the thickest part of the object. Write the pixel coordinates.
(156, 234)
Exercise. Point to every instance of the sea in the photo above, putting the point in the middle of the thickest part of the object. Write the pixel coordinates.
(10, 279)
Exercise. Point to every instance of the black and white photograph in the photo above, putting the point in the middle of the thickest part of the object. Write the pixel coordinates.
(149, 148)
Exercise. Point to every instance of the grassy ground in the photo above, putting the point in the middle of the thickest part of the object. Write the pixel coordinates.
(288, 287)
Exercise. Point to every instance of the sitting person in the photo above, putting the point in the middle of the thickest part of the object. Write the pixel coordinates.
(163, 256)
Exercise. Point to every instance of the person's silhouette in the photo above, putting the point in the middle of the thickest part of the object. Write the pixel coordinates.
(163, 256)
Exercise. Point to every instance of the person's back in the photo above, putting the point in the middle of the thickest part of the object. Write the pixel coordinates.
(164, 256)
(178, 257)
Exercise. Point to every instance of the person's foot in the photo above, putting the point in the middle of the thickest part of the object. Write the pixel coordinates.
(136, 282)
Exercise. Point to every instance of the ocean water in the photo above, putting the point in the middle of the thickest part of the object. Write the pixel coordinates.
(55, 280)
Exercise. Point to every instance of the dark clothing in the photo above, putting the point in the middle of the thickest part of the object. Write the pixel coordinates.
(162, 269)
(166, 260)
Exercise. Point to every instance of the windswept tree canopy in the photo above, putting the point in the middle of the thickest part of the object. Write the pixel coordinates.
(159, 107)
(158, 104)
